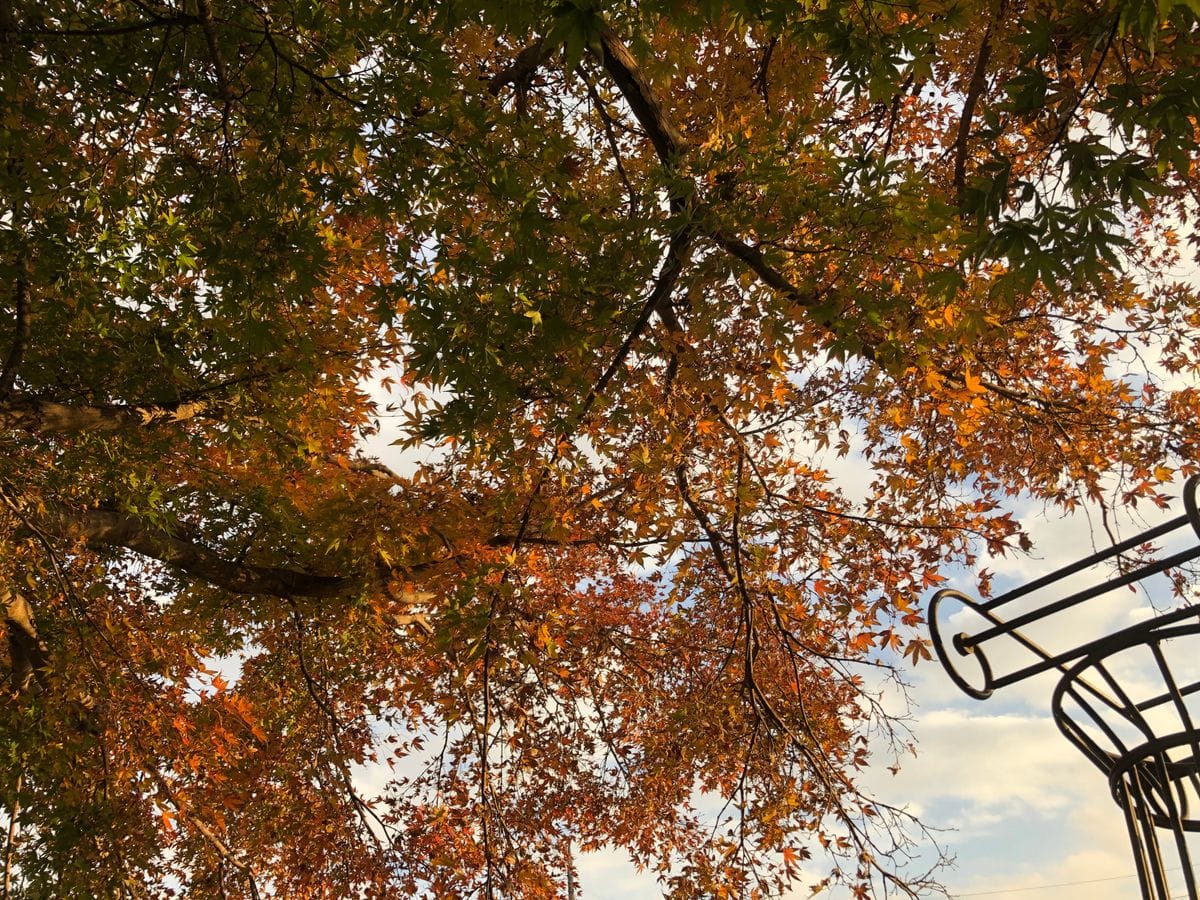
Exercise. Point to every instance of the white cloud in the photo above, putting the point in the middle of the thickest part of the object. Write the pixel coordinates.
(610, 875)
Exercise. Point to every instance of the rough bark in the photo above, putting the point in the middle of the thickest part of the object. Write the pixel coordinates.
(49, 417)
(26, 652)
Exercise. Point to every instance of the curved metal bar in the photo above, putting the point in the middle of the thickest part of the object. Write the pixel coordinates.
(1121, 761)
(1167, 808)
(1086, 562)
(1189, 502)
(1156, 630)
(971, 643)
(1095, 590)
(935, 630)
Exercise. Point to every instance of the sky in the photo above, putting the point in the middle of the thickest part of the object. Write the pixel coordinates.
(1022, 812)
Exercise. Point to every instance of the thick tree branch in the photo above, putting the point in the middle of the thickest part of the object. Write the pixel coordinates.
(520, 71)
(761, 80)
(753, 257)
(46, 416)
(20, 339)
(974, 90)
(668, 141)
(214, 49)
(26, 652)
(678, 253)
(110, 528)
(364, 466)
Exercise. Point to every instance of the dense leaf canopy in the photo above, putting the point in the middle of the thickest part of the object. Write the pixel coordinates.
(713, 331)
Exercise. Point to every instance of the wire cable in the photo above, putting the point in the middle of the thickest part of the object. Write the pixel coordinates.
(1040, 887)
(1045, 887)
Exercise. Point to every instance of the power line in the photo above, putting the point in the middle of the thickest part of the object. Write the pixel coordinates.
(1046, 887)
(1041, 887)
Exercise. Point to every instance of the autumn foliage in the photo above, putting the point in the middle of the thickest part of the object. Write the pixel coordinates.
(706, 334)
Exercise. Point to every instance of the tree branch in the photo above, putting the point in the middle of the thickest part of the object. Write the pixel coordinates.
(701, 517)
(214, 49)
(26, 651)
(753, 257)
(974, 90)
(610, 134)
(521, 70)
(678, 252)
(668, 141)
(110, 528)
(366, 466)
(20, 338)
(47, 416)
(111, 30)
(670, 144)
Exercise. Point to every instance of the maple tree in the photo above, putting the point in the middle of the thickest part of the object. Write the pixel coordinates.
(642, 273)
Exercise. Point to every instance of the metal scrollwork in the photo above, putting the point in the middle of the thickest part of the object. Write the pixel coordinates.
(961, 650)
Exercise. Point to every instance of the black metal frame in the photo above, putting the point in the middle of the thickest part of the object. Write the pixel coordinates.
(1146, 744)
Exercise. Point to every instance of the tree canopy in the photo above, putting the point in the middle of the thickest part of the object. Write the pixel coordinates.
(626, 281)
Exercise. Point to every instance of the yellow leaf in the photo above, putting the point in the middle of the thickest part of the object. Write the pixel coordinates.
(973, 384)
